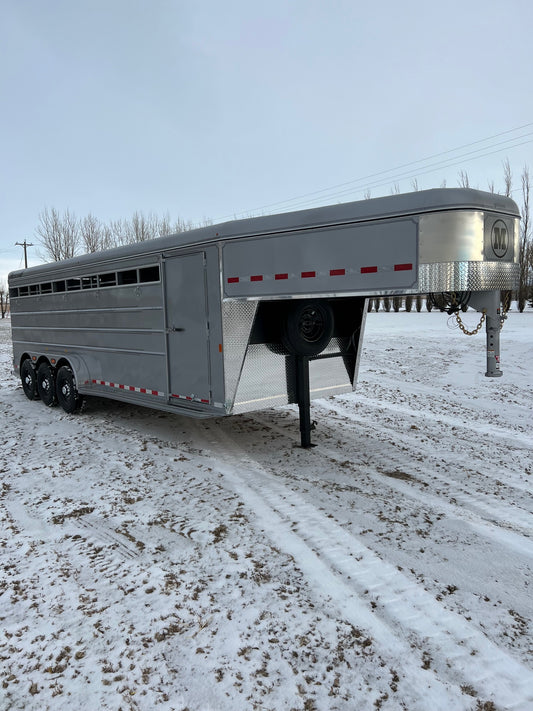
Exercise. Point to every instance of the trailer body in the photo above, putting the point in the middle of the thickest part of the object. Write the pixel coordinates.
(207, 322)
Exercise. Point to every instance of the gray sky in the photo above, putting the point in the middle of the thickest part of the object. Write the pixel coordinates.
(210, 109)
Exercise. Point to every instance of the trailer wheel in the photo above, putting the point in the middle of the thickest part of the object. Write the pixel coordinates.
(307, 327)
(29, 380)
(45, 385)
(66, 391)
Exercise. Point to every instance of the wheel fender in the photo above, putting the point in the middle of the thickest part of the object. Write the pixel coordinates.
(79, 368)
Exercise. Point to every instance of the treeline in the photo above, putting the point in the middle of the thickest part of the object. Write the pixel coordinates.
(397, 303)
(62, 236)
(411, 302)
(418, 302)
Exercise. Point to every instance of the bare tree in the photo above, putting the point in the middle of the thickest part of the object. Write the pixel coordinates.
(91, 232)
(62, 235)
(525, 250)
(184, 225)
(59, 235)
(115, 233)
(138, 229)
(414, 185)
(463, 179)
(4, 299)
(507, 178)
(108, 238)
(397, 302)
(143, 227)
(164, 225)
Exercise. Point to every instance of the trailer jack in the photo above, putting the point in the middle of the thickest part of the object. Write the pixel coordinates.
(303, 399)
(488, 302)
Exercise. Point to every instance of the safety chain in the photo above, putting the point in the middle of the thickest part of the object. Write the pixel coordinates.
(476, 329)
(503, 316)
(506, 306)
(460, 322)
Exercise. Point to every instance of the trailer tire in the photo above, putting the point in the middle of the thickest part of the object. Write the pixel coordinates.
(29, 380)
(46, 385)
(66, 391)
(307, 327)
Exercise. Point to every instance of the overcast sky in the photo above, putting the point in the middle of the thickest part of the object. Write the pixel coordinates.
(210, 109)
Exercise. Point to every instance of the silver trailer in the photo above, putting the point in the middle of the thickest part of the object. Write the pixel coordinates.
(255, 313)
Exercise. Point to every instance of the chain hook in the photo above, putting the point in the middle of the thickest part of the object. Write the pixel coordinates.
(460, 322)
(476, 330)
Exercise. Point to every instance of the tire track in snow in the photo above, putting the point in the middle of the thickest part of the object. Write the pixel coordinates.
(492, 527)
(357, 580)
(516, 518)
(497, 432)
(373, 408)
(388, 385)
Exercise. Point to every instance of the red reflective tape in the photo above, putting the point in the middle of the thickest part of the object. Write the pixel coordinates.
(256, 277)
(337, 272)
(368, 270)
(403, 267)
(308, 275)
(281, 276)
(233, 280)
(120, 386)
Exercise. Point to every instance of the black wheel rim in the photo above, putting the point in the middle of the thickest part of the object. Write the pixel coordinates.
(311, 324)
(28, 379)
(65, 390)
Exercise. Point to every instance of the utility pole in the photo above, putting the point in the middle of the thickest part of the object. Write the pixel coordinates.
(25, 245)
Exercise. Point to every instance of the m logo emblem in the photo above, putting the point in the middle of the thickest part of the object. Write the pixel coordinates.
(500, 238)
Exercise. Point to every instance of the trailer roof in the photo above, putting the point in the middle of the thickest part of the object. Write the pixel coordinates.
(420, 202)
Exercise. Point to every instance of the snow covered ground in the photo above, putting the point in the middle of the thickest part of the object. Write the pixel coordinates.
(151, 561)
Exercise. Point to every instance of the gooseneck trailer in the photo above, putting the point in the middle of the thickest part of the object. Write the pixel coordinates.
(255, 313)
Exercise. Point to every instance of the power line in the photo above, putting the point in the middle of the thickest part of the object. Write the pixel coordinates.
(327, 193)
(431, 168)
(406, 165)
(424, 170)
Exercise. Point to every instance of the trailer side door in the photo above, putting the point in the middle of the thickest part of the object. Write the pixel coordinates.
(187, 328)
